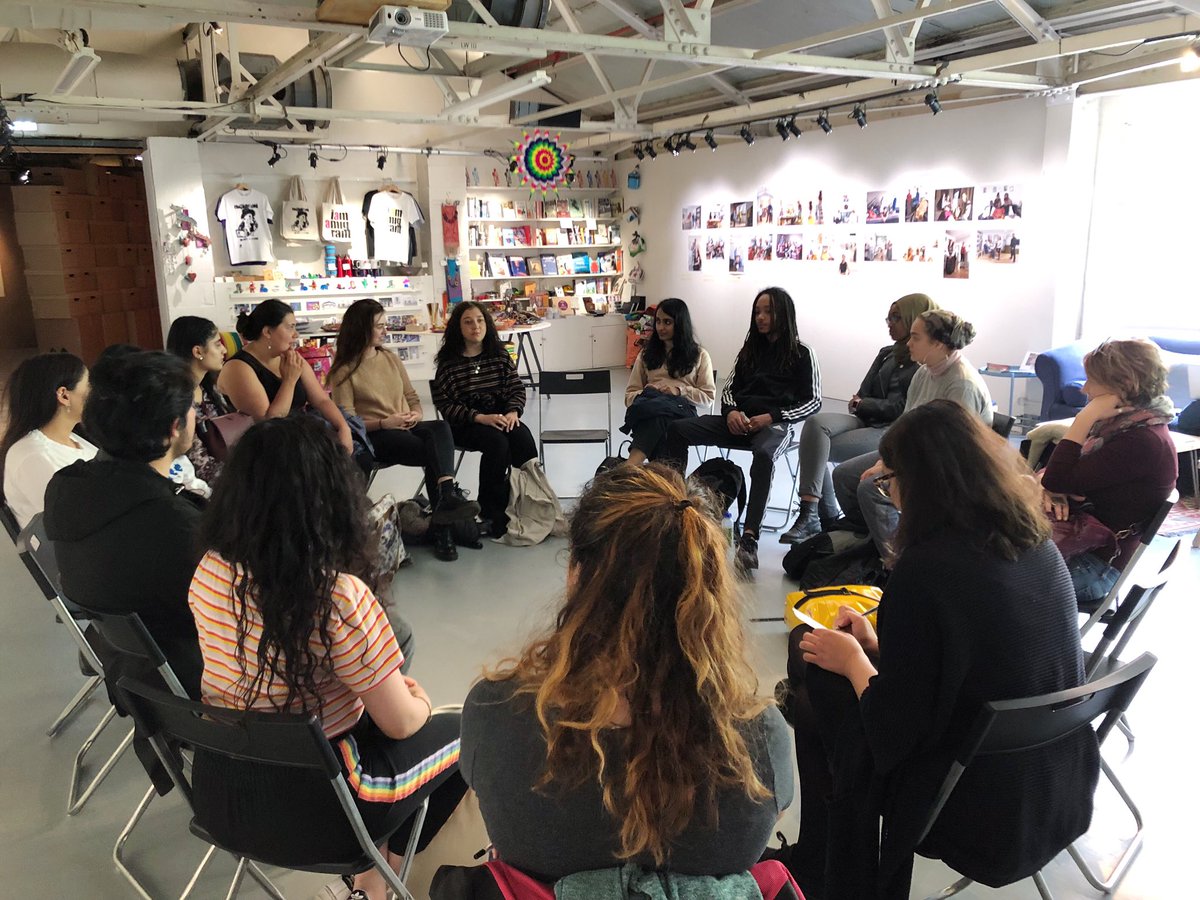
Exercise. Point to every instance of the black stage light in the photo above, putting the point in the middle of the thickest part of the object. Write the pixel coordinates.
(639, 152)
(276, 156)
(650, 151)
(859, 115)
(687, 142)
(823, 121)
(781, 127)
(747, 135)
(312, 158)
(793, 128)
(381, 160)
(931, 100)
(710, 139)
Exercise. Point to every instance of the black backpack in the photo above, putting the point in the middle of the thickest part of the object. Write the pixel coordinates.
(725, 479)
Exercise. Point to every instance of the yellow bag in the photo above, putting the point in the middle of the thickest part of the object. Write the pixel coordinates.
(823, 604)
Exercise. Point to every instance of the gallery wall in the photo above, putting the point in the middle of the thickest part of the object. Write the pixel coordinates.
(1018, 143)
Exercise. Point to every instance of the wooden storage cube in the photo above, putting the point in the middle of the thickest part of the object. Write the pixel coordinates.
(126, 255)
(124, 187)
(131, 299)
(71, 179)
(145, 329)
(52, 284)
(62, 226)
(114, 328)
(84, 336)
(108, 232)
(113, 278)
(143, 277)
(107, 209)
(46, 198)
(112, 302)
(136, 211)
(145, 255)
(58, 257)
(97, 180)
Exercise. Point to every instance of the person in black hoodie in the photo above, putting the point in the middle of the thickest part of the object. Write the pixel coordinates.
(775, 383)
(124, 533)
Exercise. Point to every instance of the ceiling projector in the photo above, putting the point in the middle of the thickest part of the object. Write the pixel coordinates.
(407, 26)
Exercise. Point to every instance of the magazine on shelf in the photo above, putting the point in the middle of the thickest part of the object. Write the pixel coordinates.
(497, 266)
(582, 263)
(535, 265)
(566, 265)
(549, 265)
(516, 266)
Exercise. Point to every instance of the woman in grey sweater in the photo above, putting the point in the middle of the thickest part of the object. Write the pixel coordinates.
(936, 342)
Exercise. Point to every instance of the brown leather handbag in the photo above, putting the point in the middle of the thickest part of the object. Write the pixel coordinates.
(220, 433)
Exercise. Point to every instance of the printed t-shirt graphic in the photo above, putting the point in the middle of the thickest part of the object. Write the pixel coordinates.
(389, 217)
(247, 216)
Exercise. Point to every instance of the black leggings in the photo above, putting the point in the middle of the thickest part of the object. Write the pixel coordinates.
(427, 444)
(501, 450)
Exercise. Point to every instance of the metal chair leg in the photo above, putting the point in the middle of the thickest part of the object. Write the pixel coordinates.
(1043, 888)
(187, 890)
(411, 849)
(1125, 860)
(793, 506)
(118, 853)
(264, 882)
(81, 697)
(951, 890)
(1123, 724)
(238, 874)
(75, 800)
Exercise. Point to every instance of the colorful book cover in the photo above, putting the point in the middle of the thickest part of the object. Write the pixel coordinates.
(549, 265)
(566, 265)
(582, 263)
(535, 265)
(516, 266)
(497, 266)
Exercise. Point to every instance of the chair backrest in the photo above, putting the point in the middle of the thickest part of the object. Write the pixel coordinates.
(1127, 615)
(582, 381)
(37, 553)
(127, 633)
(1002, 424)
(9, 518)
(1010, 726)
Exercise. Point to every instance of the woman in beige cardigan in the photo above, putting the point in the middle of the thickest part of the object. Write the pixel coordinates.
(672, 376)
(369, 381)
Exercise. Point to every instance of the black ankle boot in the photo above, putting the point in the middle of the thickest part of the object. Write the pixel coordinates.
(452, 505)
(807, 524)
(443, 543)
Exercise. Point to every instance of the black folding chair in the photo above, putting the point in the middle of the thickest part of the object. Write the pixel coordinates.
(1002, 424)
(37, 553)
(279, 740)
(1011, 726)
(575, 384)
(9, 520)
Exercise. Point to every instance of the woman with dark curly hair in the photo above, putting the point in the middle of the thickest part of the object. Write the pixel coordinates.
(632, 730)
(287, 622)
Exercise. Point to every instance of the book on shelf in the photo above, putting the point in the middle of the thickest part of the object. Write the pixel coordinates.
(507, 210)
(552, 236)
(608, 263)
(561, 210)
(508, 237)
(549, 265)
(530, 288)
(574, 208)
(581, 263)
(516, 266)
(535, 265)
(604, 207)
(474, 269)
(566, 265)
(520, 209)
(497, 266)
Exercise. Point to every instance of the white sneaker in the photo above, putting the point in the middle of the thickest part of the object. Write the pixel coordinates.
(337, 890)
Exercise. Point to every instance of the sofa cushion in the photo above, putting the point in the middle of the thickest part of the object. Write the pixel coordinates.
(1073, 395)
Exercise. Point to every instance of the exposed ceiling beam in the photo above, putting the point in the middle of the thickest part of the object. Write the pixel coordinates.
(284, 15)
(620, 113)
(646, 73)
(631, 91)
(632, 19)
(1030, 19)
(914, 27)
(523, 84)
(899, 48)
(1127, 66)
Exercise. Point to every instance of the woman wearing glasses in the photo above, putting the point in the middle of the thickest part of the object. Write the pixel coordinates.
(835, 436)
(979, 607)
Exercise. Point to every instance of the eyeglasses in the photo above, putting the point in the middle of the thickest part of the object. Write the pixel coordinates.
(883, 483)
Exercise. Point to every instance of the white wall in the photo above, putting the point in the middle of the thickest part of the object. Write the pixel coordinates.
(842, 317)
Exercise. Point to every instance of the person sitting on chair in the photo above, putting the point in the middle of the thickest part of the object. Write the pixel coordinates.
(43, 401)
(1116, 457)
(775, 383)
(672, 376)
(197, 342)
(477, 390)
(978, 608)
(875, 405)
(631, 732)
(370, 381)
(287, 623)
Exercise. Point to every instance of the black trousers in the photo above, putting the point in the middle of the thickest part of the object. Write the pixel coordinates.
(427, 444)
(500, 451)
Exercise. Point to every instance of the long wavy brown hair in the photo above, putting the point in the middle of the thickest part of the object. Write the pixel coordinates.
(651, 617)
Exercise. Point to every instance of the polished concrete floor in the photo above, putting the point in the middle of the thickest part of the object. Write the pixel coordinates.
(469, 614)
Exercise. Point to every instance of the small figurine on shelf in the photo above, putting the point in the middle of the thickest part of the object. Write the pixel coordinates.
(467, 175)
(495, 178)
(508, 177)
(589, 178)
(475, 176)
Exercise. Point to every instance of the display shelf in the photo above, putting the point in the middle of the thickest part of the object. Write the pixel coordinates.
(543, 248)
(582, 276)
(544, 219)
(479, 189)
(289, 288)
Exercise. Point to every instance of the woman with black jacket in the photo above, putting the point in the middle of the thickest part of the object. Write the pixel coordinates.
(836, 437)
(775, 383)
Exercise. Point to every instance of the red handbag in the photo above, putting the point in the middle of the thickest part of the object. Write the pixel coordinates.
(220, 433)
(1083, 533)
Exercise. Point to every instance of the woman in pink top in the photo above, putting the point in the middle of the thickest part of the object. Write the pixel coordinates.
(287, 621)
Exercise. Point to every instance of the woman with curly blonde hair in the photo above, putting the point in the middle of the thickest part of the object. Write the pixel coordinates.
(632, 732)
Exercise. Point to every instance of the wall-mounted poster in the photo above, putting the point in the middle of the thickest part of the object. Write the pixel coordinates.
(693, 256)
(714, 251)
(847, 248)
(953, 204)
(789, 245)
(716, 216)
(691, 218)
(761, 248)
(844, 211)
(916, 205)
(818, 249)
(997, 246)
(999, 201)
(741, 214)
(956, 263)
(764, 208)
(883, 207)
(878, 247)
(737, 254)
(802, 209)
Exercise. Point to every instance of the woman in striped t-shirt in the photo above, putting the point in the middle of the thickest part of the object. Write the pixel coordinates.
(286, 622)
(478, 391)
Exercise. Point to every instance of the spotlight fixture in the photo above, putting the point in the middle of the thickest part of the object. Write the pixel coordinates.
(381, 160)
(823, 121)
(78, 67)
(687, 142)
(25, 125)
(639, 152)
(859, 115)
(217, 27)
(23, 177)
(793, 128)
(312, 158)
(276, 156)
(931, 100)
(710, 139)
(512, 165)
(672, 144)
(650, 151)
(747, 135)
(781, 127)
(1190, 61)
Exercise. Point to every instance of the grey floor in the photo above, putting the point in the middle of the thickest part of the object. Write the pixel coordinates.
(466, 615)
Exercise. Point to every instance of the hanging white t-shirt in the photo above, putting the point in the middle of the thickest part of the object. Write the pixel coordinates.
(247, 216)
(29, 466)
(389, 216)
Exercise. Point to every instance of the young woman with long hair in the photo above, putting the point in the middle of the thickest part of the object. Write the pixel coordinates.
(197, 342)
(670, 379)
(834, 436)
(478, 391)
(775, 383)
(288, 622)
(1116, 456)
(43, 401)
(632, 731)
(979, 607)
(268, 378)
(370, 381)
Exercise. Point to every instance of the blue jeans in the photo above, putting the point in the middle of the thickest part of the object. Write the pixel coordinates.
(1092, 578)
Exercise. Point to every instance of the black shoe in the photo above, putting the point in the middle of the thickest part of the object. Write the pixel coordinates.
(747, 552)
(783, 699)
(807, 524)
(443, 544)
(452, 505)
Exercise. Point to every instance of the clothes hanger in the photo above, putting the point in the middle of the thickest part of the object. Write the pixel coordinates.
(240, 185)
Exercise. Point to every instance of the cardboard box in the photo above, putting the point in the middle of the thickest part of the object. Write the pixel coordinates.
(126, 255)
(45, 198)
(83, 336)
(114, 328)
(108, 232)
(145, 255)
(131, 299)
(71, 179)
(58, 257)
(107, 209)
(145, 330)
(97, 181)
(111, 302)
(53, 284)
(113, 278)
(62, 226)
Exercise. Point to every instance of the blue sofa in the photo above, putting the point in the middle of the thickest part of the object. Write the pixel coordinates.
(1061, 372)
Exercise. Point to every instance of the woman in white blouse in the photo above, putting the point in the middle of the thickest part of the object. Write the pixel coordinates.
(44, 401)
(672, 376)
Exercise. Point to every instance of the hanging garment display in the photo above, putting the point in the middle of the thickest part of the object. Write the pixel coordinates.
(298, 220)
(390, 213)
(246, 215)
(450, 238)
(335, 215)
